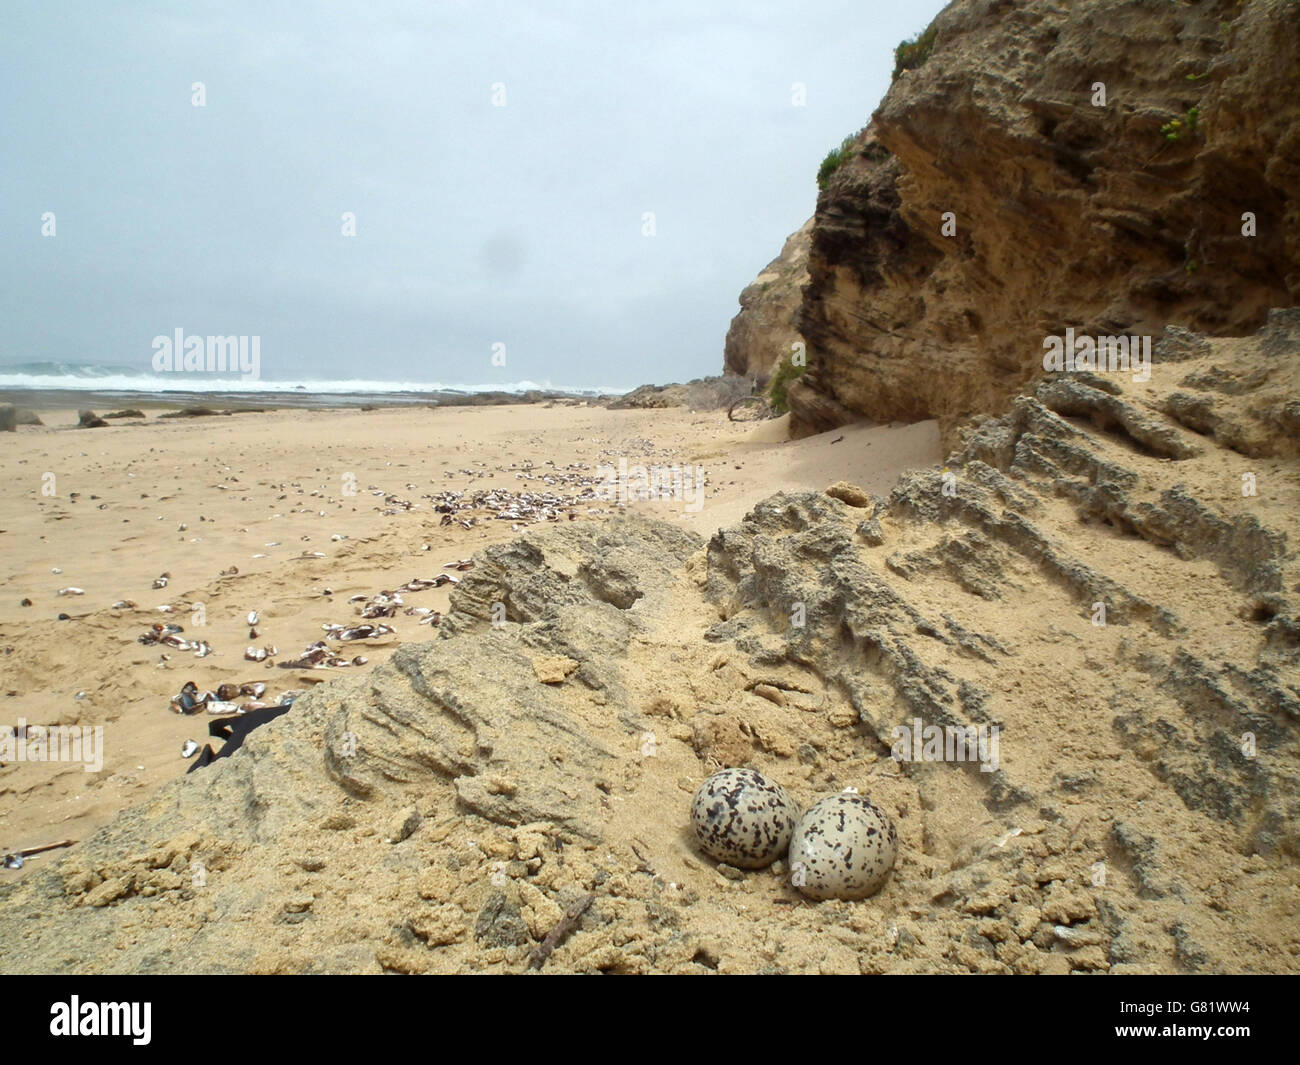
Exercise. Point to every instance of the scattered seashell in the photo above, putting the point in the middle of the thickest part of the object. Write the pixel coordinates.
(188, 701)
(72, 591)
(360, 632)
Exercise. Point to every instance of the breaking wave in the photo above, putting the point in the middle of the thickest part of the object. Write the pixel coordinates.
(52, 376)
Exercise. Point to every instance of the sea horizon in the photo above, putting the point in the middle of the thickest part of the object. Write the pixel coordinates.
(116, 379)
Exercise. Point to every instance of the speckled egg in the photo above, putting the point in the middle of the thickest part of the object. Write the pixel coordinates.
(843, 847)
(742, 818)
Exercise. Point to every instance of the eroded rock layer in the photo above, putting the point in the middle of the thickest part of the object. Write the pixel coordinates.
(763, 330)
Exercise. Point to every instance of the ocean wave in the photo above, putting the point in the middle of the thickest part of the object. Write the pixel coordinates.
(51, 376)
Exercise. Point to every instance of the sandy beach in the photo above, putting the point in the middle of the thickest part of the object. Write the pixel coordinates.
(233, 509)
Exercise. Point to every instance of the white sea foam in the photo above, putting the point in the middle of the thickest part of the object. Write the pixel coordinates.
(76, 377)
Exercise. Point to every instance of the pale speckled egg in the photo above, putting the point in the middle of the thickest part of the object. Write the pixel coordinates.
(843, 847)
(742, 818)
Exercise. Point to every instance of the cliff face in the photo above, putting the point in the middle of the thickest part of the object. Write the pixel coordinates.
(1070, 209)
(763, 329)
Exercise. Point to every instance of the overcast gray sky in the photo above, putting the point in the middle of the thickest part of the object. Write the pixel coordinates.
(476, 224)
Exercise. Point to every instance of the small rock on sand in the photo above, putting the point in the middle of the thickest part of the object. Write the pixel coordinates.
(405, 823)
(553, 669)
(849, 493)
(193, 412)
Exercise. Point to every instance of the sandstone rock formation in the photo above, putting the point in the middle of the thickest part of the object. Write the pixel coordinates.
(1068, 210)
(11, 417)
(1104, 573)
(704, 393)
(763, 330)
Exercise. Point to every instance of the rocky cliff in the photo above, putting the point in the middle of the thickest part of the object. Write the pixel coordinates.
(1102, 575)
(763, 329)
(1108, 166)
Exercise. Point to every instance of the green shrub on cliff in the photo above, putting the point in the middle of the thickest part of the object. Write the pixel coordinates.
(1175, 129)
(777, 390)
(835, 159)
(911, 54)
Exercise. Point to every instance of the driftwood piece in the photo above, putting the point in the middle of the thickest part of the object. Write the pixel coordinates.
(562, 928)
(14, 860)
(27, 852)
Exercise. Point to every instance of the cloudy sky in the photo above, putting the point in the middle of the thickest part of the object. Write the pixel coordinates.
(476, 224)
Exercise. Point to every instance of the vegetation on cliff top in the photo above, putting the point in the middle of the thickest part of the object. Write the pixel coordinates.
(835, 159)
(911, 54)
(907, 56)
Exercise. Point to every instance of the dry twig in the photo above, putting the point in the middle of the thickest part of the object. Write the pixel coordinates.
(562, 928)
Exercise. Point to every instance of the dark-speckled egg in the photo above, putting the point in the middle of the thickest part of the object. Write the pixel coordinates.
(842, 848)
(742, 818)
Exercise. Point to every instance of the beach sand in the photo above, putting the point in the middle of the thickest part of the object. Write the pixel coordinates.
(115, 508)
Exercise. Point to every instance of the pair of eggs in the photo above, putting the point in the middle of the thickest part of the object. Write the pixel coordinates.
(842, 847)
